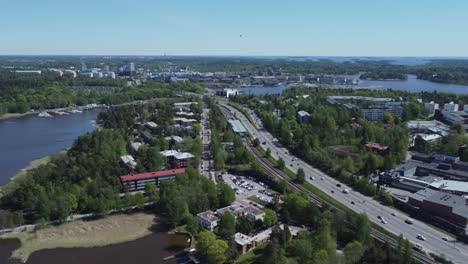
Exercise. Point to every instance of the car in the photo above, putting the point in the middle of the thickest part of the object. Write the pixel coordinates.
(445, 239)
(409, 221)
(394, 214)
(420, 237)
(290, 165)
(352, 202)
(263, 143)
(379, 217)
(383, 222)
(338, 185)
(332, 191)
(312, 178)
(345, 191)
(322, 178)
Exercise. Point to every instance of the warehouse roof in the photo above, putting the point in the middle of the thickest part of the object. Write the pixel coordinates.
(149, 175)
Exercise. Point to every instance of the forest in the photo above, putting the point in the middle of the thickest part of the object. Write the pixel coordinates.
(19, 94)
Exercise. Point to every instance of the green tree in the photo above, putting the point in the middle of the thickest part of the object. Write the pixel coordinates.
(300, 176)
(226, 195)
(281, 165)
(211, 249)
(227, 226)
(192, 224)
(270, 218)
(363, 230)
(273, 254)
(353, 252)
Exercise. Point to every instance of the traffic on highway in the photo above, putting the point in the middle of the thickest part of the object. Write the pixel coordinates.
(427, 237)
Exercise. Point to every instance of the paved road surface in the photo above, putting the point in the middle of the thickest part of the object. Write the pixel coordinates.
(453, 250)
(207, 168)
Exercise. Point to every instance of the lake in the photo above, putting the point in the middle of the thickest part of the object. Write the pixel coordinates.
(25, 139)
(150, 249)
(411, 85)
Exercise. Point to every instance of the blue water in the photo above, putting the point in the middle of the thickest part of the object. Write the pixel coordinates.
(26, 139)
(411, 85)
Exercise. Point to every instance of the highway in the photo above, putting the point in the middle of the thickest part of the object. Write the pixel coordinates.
(452, 249)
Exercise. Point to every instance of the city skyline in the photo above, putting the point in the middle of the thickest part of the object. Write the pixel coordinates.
(263, 28)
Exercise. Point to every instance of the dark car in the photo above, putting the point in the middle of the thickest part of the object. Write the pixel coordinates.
(338, 185)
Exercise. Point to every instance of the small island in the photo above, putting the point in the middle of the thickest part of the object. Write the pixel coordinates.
(384, 76)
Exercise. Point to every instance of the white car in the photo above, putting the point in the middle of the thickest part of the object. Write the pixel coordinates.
(383, 221)
(420, 237)
(445, 239)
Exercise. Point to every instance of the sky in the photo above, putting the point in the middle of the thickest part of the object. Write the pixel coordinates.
(235, 27)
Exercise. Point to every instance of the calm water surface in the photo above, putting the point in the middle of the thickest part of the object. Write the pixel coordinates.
(26, 139)
(149, 249)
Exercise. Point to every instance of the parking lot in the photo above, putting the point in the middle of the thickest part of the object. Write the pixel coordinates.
(246, 187)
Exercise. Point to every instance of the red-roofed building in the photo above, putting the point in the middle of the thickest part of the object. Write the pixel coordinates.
(377, 146)
(137, 182)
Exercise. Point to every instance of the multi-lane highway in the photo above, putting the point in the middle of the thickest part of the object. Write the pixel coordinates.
(395, 220)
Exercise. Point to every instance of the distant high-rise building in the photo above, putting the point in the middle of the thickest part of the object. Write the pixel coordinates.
(131, 67)
(111, 75)
(451, 107)
(431, 107)
(83, 66)
(106, 68)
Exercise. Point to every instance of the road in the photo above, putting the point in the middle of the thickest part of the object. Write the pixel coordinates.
(207, 163)
(452, 249)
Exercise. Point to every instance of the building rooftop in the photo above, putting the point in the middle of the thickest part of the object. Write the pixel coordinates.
(447, 185)
(253, 211)
(377, 146)
(136, 145)
(128, 160)
(237, 126)
(422, 194)
(175, 138)
(151, 124)
(176, 154)
(150, 175)
(303, 113)
(208, 216)
(234, 209)
(242, 239)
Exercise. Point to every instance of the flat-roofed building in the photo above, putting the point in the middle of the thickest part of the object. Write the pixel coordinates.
(431, 107)
(237, 126)
(208, 220)
(151, 125)
(128, 161)
(303, 117)
(177, 159)
(137, 182)
(21, 72)
(451, 107)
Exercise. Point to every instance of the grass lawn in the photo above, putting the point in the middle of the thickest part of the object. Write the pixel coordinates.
(110, 230)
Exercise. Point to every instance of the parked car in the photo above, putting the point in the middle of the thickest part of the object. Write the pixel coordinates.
(409, 221)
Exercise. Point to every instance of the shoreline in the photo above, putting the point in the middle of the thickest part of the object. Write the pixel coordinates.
(114, 229)
(8, 116)
(23, 172)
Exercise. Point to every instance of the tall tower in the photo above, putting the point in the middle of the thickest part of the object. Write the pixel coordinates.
(83, 66)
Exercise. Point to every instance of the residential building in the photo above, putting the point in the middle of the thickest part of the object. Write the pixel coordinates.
(137, 182)
(184, 105)
(129, 161)
(19, 72)
(185, 122)
(147, 137)
(246, 243)
(151, 125)
(377, 147)
(174, 139)
(208, 220)
(303, 117)
(451, 107)
(431, 107)
(253, 213)
(136, 146)
(374, 113)
(71, 72)
(228, 92)
(177, 159)
(455, 117)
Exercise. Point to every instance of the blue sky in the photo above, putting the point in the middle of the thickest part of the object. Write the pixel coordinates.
(213, 27)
